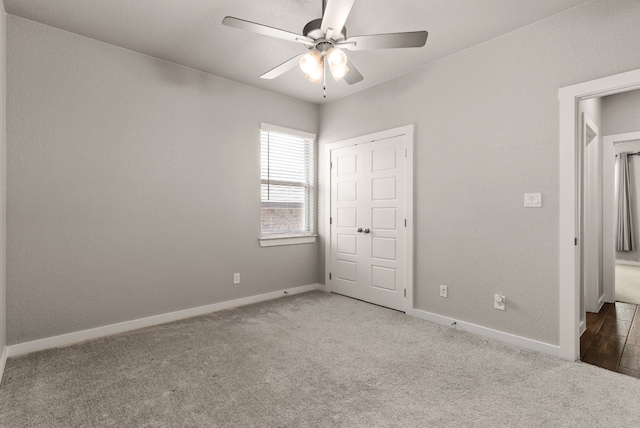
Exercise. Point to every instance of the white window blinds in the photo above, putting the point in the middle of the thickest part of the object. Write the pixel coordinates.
(287, 176)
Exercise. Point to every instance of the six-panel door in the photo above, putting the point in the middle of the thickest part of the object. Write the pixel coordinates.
(368, 222)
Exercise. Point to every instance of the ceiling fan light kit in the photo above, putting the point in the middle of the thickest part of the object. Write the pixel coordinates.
(310, 62)
(316, 75)
(324, 37)
(313, 64)
(337, 63)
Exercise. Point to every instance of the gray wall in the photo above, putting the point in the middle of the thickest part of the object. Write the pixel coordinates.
(621, 113)
(3, 180)
(133, 186)
(486, 133)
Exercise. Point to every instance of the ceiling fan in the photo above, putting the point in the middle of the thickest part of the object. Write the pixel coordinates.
(325, 38)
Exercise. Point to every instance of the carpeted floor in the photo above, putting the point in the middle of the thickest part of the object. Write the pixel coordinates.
(628, 284)
(311, 360)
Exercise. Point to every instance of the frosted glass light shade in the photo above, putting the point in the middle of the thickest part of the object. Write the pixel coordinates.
(337, 63)
(338, 71)
(336, 56)
(310, 63)
(316, 75)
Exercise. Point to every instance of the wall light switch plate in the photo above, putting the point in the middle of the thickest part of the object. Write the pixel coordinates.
(236, 278)
(533, 200)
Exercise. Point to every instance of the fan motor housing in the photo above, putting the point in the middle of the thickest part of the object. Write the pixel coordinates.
(313, 30)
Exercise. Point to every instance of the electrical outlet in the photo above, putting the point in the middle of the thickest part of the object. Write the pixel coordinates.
(499, 302)
(444, 291)
(236, 278)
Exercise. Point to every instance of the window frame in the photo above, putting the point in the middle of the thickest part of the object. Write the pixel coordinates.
(305, 237)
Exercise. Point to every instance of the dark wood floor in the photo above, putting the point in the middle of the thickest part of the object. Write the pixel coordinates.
(612, 339)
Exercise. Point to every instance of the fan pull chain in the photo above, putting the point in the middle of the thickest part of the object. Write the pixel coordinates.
(324, 79)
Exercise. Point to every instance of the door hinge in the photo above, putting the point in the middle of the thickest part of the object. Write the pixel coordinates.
(330, 220)
(329, 275)
(405, 222)
(575, 241)
(405, 292)
(405, 153)
(330, 165)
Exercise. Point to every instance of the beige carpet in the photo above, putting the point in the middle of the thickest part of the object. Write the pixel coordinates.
(311, 360)
(628, 284)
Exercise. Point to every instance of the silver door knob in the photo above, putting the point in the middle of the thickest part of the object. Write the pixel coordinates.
(359, 230)
(367, 231)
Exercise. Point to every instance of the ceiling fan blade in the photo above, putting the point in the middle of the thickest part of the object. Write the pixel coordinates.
(353, 76)
(335, 15)
(282, 68)
(242, 24)
(414, 39)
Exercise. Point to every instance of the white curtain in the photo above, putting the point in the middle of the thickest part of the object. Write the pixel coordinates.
(625, 219)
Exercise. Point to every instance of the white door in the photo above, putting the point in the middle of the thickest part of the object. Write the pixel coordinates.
(592, 214)
(368, 222)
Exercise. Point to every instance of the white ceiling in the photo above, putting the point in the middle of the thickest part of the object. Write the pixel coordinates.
(190, 32)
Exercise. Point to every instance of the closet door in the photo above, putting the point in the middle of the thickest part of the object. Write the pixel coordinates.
(368, 222)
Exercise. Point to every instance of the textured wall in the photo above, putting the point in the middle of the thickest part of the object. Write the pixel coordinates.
(621, 113)
(133, 186)
(486, 133)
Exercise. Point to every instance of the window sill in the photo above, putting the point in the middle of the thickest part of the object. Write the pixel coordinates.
(274, 240)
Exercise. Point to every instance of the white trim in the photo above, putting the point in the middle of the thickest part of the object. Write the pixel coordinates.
(289, 131)
(94, 333)
(627, 263)
(501, 336)
(3, 362)
(274, 241)
(569, 256)
(407, 130)
(408, 251)
(626, 138)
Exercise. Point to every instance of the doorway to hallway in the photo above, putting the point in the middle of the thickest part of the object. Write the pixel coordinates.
(570, 254)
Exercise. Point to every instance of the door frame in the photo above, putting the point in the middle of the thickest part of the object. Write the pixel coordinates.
(569, 253)
(408, 131)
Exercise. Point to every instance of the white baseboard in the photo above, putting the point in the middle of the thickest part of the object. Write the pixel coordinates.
(627, 262)
(3, 362)
(501, 336)
(94, 333)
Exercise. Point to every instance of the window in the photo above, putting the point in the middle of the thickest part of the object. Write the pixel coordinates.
(287, 186)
